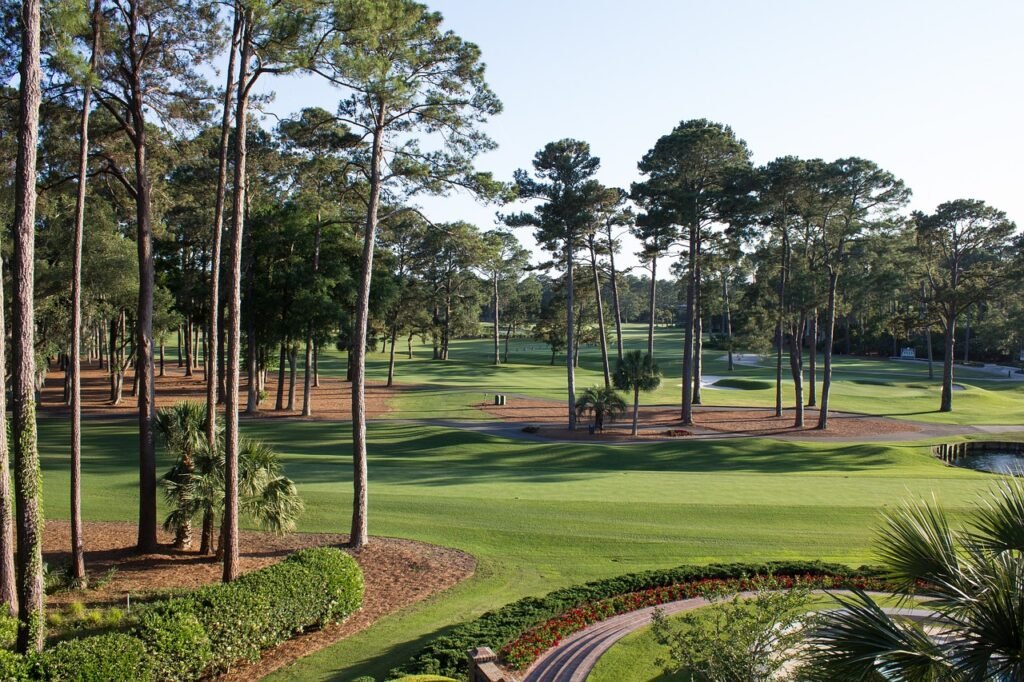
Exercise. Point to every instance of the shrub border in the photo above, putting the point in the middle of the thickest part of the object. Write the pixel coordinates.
(446, 654)
(203, 632)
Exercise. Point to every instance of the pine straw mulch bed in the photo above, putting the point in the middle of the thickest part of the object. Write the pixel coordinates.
(398, 573)
(332, 400)
(655, 421)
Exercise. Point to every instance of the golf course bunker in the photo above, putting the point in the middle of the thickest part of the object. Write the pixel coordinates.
(711, 381)
(731, 383)
(994, 457)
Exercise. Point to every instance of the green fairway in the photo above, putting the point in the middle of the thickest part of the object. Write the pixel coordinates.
(541, 515)
(880, 387)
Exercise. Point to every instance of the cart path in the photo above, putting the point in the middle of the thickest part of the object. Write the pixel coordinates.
(926, 431)
(576, 656)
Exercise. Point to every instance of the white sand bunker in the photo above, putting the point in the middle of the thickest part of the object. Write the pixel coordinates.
(709, 381)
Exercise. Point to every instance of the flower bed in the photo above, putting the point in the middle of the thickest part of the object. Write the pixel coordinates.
(525, 649)
(446, 654)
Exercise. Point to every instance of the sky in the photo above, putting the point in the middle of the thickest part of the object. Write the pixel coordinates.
(932, 91)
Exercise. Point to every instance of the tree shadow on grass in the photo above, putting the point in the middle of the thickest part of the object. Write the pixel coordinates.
(382, 663)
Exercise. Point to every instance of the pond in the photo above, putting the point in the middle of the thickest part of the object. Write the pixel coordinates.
(994, 462)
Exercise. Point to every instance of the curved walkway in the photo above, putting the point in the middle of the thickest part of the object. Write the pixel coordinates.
(576, 656)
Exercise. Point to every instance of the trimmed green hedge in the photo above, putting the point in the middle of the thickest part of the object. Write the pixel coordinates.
(96, 659)
(212, 628)
(446, 655)
(206, 631)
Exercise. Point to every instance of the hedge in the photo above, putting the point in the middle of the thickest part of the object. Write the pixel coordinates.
(210, 629)
(99, 658)
(446, 655)
(206, 631)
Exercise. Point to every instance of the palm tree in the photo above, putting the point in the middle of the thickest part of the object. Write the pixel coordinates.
(636, 372)
(603, 403)
(266, 495)
(972, 579)
(183, 427)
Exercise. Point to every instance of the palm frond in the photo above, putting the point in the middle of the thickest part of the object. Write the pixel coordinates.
(988, 641)
(916, 544)
(861, 643)
(998, 523)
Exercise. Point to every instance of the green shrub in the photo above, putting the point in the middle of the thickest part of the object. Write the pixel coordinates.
(13, 667)
(193, 636)
(8, 629)
(97, 659)
(236, 621)
(177, 641)
(446, 655)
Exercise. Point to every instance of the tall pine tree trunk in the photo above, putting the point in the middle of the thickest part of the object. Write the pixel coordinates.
(75, 363)
(603, 336)
(812, 359)
(698, 336)
(727, 318)
(8, 581)
(189, 348)
(652, 304)
(687, 410)
(307, 379)
(281, 364)
(830, 326)
(497, 330)
(698, 320)
(229, 524)
(292, 352)
(391, 358)
(215, 368)
(613, 280)
(946, 403)
(797, 370)
(359, 533)
(27, 483)
(309, 366)
(778, 368)
(147, 274)
(570, 331)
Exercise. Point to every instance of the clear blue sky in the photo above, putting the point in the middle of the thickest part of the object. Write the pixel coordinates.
(932, 91)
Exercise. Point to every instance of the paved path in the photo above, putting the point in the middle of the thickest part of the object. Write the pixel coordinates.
(576, 656)
(927, 430)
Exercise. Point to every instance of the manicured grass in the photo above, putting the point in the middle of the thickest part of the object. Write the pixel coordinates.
(543, 515)
(882, 387)
(632, 658)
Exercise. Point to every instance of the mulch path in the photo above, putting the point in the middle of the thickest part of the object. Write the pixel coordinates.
(655, 421)
(398, 573)
(332, 400)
